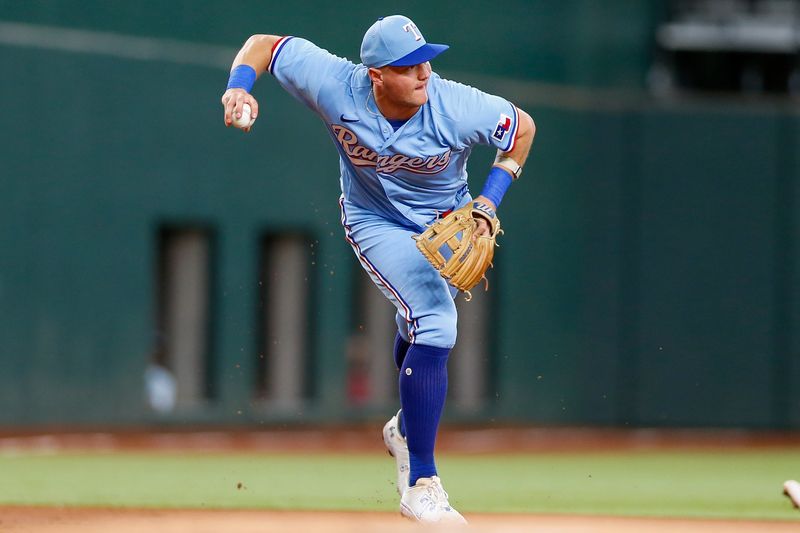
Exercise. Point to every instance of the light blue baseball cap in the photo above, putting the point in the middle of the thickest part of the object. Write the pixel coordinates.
(397, 41)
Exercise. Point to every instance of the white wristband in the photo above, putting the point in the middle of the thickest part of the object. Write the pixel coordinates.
(509, 164)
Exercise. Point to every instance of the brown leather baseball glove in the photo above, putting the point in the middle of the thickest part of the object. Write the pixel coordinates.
(470, 257)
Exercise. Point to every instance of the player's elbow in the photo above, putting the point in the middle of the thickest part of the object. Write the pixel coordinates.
(261, 42)
(527, 127)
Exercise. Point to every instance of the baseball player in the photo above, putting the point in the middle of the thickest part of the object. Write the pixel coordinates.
(403, 135)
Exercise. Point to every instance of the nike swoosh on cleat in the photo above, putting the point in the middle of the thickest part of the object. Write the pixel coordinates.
(345, 119)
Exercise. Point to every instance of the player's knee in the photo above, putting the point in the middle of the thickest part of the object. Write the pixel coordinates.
(438, 329)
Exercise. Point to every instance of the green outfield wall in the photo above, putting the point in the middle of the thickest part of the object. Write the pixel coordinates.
(599, 44)
(648, 276)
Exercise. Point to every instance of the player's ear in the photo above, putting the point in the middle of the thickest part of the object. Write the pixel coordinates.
(375, 76)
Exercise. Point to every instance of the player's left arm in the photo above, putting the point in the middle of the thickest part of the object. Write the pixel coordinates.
(507, 167)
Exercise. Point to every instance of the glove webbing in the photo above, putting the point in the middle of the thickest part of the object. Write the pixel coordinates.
(469, 259)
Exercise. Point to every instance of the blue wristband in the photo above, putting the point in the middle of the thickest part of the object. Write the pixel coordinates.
(496, 185)
(242, 77)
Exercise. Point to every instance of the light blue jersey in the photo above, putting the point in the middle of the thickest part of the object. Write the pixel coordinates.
(407, 176)
(394, 182)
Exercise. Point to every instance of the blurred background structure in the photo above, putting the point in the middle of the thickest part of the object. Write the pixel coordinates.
(158, 267)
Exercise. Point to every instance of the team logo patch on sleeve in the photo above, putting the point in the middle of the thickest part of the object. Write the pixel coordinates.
(502, 128)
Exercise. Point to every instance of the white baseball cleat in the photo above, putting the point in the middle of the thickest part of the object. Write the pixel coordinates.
(427, 502)
(792, 489)
(398, 448)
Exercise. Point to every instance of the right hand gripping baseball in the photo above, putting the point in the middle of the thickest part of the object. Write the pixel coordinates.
(233, 102)
(471, 255)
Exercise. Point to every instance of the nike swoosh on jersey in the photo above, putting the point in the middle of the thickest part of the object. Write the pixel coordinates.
(345, 119)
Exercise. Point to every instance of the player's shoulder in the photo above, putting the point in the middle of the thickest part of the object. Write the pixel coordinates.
(450, 98)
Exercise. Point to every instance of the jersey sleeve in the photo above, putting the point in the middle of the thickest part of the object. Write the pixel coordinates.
(482, 118)
(302, 68)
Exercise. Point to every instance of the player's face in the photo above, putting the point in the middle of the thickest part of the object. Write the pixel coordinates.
(407, 86)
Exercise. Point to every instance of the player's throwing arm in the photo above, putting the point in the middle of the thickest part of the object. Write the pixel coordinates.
(241, 109)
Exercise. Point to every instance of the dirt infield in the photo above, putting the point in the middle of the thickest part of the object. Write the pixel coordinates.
(49, 520)
(368, 439)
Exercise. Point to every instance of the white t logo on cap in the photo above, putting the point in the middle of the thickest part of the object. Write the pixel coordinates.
(410, 27)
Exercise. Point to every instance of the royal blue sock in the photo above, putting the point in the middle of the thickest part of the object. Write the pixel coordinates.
(400, 349)
(423, 388)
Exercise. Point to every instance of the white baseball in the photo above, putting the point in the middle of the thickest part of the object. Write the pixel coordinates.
(245, 121)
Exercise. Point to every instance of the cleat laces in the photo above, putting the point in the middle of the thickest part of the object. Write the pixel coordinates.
(435, 497)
